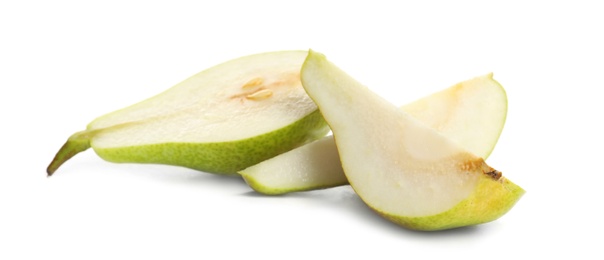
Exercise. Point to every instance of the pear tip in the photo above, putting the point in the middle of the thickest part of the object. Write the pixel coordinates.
(50, 170)
(53, 166)
(77, 143)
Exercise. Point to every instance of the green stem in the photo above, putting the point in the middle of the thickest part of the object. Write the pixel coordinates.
(76, 143)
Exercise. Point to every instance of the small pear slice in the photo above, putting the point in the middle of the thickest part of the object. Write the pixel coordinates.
(471, 113)
(401, 168)
(220, 120)
(312, 166)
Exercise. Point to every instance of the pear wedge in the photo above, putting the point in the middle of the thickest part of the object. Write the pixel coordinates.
(312, 166)
(220, 120)
(404, 170)
(471, 113)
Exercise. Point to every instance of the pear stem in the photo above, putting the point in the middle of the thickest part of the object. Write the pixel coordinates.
(76, 143)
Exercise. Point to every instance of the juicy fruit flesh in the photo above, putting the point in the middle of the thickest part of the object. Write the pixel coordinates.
(258, 100)
(397, 165)
(422, 166)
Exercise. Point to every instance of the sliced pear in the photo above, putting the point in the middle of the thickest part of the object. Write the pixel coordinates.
(401, 168)
(220, 120)
(471, 113)
(312, 166)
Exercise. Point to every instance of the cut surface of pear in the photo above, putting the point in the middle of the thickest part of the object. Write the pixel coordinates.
(401, 168)
(472, 113)
(220, 120)
(314, 165)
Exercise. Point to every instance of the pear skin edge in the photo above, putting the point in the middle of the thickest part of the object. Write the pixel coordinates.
(260, 187)
(490, 200)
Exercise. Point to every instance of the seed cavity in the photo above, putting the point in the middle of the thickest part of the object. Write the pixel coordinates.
(473, 165)
(253, 83)
(260, 94)
(489, 171)
(495, 174)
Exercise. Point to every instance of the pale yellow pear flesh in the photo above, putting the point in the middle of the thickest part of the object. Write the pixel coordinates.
(400, 167)
(472, 113)
(221, 120)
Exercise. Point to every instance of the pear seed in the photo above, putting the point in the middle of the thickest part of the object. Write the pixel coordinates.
(253, 83)
(261, 94)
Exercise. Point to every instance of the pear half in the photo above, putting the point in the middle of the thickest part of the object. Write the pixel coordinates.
(220, 120)
(471, 113)
(401, 168)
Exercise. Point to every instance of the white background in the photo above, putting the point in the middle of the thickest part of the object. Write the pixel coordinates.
(63, 63)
